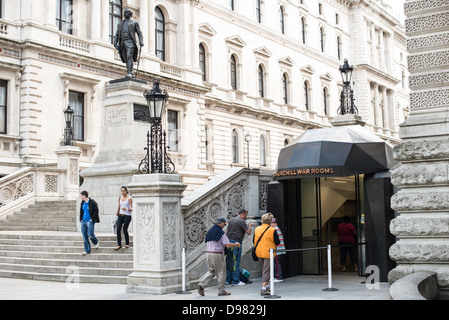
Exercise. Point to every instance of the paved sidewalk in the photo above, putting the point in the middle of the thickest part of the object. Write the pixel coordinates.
(349, 285)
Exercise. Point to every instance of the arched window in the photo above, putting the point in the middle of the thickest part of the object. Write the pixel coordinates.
(203, 61)
(325, 101)
(303, 29)
(322, 39)
(235, 147)
(263, 151)
(115, 17)
(160, 34)
(306, 95)
(233, 73)
(282, 19)
(284, 88)
(260, 78)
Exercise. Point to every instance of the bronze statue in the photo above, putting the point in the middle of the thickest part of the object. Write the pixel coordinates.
(125, 41)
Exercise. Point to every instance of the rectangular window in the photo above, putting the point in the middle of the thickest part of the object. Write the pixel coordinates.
(76, 101)
(3, 101)
(64, 14)
(172, 130)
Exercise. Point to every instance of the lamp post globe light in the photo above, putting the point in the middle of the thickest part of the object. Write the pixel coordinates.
(347, 105)
(248, 139)
(156, 159)
(68, 131)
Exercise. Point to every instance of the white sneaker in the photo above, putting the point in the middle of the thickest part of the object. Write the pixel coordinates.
(96, 246)
(278, 280)
(241, 284)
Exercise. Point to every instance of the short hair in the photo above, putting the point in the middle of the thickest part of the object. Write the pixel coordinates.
(267, 218)
(243, 211)
(85, 193)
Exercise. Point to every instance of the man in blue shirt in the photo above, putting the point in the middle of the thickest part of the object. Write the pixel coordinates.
(88, 217)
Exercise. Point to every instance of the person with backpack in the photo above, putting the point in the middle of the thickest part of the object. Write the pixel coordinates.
(265, 238)
(89, 215)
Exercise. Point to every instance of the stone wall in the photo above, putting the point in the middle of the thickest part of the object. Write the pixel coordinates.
(422, 226)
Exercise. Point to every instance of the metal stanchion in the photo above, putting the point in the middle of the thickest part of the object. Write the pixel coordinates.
(329, 270)
(272, 295)
(183, 267)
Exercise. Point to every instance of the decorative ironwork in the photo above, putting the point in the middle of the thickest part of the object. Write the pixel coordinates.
(347, 105)
(68, 139)
(156, 159)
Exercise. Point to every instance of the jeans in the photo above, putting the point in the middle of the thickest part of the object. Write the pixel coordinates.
(88, 229)
(233, 257)
(123, 221)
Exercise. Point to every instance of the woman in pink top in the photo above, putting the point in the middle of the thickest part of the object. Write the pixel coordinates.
(346, 241)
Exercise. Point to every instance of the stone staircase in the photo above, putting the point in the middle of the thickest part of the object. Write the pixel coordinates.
(44, 216)
(41, 243)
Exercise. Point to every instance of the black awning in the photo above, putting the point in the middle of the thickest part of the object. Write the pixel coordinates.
(334, 152)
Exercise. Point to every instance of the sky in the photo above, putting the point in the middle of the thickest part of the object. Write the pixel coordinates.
(398, 6)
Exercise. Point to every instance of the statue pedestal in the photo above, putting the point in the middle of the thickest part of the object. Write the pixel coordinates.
(122, 143)
(158, 233)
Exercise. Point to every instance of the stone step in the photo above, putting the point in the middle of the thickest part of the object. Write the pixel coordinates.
(63, 277)
(69, 270)
(121, 255)
(36, 228)
(57, 249)
(67, 263)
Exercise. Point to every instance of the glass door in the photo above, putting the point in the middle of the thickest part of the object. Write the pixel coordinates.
(311, 225)
(361, 240)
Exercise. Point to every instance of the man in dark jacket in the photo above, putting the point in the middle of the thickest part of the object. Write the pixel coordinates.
(125, 41)
(88, 217)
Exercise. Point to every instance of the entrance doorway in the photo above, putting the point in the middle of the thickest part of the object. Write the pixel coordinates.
(314, 208)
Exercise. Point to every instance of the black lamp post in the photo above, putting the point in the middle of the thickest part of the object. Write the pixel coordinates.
(68, 131)
(156, 160)
(347, 105)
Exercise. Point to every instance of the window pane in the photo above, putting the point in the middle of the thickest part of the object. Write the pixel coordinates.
(3, 93)
(76, 101)
(172, 130)
(2, 120)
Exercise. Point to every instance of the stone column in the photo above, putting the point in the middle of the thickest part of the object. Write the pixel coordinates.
(423, 200)
(158, 233)
(68, 160)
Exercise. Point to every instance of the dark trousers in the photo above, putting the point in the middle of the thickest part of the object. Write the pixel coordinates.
(123, 221)
(346, 247)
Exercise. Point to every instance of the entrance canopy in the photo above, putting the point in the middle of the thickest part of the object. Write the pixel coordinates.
(334, 152)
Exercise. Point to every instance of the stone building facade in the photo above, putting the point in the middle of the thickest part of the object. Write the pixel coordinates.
(423, 200)
(232, 68)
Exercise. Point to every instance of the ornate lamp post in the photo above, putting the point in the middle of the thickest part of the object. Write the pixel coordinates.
(248, 139)
(68, 131)
(156, 160)
(347, 105)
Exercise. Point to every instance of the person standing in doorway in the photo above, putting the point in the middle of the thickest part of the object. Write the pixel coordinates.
(124, 210)
(216, 242)
(281, 246)
(346, 240)
(236, 231)
(89, 215)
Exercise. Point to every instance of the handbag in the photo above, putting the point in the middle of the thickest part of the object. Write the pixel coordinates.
(253, 252)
